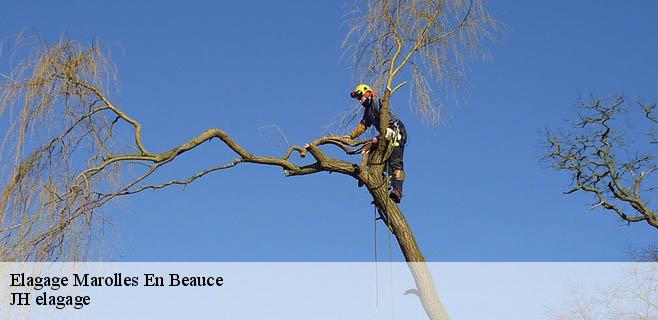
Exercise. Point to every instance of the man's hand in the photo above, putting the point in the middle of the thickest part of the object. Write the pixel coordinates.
(368, 146)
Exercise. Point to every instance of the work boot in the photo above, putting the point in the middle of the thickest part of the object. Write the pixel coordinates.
(396, 190)
(396, 195)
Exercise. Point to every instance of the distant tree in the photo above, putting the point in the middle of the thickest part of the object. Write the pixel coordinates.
(604, 160)
(634, 299)
(66, 159)
(644, 254)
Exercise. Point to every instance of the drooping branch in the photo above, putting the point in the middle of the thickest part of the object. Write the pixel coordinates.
(595, 156)
(156, 160)
(434, 37)
(54, 189)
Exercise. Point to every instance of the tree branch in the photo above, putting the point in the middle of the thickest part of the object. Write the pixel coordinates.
(593, 158)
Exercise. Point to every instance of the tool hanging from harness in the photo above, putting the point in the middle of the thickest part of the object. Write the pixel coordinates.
(394, 135)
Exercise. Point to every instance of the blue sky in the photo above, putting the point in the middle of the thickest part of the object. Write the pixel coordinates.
(476, 190)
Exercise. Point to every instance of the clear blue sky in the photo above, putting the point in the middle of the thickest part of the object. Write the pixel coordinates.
(475, 190)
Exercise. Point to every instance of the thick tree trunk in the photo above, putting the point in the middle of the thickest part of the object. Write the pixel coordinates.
(425, 287)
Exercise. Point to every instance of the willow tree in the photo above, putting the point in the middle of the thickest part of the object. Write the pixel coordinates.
(67, 160)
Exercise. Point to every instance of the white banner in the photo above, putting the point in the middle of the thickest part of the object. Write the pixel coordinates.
(308, 290)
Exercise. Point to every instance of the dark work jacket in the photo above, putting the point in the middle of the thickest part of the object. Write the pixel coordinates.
(371, 115)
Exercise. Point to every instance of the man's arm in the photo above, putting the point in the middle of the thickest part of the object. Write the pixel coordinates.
(360, 129)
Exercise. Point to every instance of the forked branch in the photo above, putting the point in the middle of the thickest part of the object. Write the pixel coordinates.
(49, 202)
(596, 157)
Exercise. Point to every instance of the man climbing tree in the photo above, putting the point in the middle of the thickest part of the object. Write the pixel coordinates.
(395, 131)
(67, 159)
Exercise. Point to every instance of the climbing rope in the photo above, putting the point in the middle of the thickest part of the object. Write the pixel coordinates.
(383, 215)
(376, 266)
(390, 247)
(390, 265)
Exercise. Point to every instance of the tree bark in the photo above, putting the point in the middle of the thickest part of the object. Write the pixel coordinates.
(425, 287)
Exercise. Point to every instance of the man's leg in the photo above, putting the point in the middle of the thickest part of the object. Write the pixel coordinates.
(396, 172)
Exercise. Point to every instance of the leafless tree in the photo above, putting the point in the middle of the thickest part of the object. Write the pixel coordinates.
(634, 299)
(606, 162)
(67, 159)
(644, 254)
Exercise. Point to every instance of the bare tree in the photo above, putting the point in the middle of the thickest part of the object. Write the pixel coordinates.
(643, 254)
(68, 161)
(604, 161)
(634, 299)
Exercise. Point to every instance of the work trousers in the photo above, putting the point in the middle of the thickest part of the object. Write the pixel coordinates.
(396, 160)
